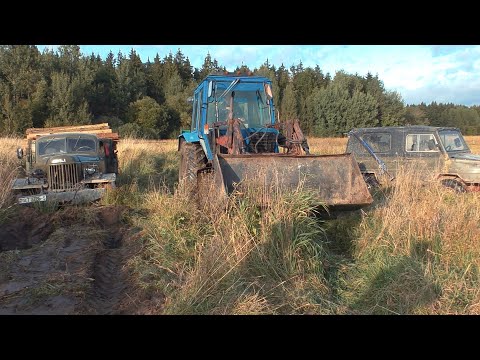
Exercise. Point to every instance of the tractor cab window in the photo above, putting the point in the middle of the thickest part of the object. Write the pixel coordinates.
(248, 100)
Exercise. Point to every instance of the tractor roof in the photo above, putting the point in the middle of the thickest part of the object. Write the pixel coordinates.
(242, 78)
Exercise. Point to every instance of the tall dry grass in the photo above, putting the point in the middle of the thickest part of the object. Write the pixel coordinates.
(239, 259)
(147, 162)
(9, 166)
(414, 251)
(417, 251)
(327, 146)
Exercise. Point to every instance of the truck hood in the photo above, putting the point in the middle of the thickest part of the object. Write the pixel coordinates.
(466, 156)
(467, 166)
(70, 159)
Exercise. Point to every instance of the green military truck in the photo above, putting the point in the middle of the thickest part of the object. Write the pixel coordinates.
(67, 164)
(438, 153)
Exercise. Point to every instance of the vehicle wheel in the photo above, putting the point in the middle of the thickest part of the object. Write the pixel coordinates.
(455, 185)
(192, 159)
(371, 181)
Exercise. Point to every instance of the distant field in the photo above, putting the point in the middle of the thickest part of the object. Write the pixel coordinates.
(474, 143)
(317, 145)
(416, 250)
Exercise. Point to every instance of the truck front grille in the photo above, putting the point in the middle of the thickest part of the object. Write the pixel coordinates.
(64, 177)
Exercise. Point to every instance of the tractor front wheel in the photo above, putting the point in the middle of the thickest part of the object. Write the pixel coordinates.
(192, 159)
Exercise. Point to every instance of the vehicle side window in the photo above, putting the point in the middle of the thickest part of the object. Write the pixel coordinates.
(199, 108)
(379, 142)
(195, 112)
(420, 143)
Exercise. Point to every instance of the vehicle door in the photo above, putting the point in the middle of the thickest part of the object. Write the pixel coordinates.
(422, 153)
(381, 142)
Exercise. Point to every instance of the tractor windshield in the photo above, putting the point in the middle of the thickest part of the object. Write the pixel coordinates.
(452, 140)
(249, 104)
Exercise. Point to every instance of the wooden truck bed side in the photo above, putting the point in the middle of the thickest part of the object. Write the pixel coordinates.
(102, 131)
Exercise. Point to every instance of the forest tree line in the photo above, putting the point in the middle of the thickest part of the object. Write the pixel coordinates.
(148, 99)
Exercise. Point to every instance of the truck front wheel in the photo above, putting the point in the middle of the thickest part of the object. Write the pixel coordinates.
(453, 184)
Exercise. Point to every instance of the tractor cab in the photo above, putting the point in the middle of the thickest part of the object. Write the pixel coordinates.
(235, 115)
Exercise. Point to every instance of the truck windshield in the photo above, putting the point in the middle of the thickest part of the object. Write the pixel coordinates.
(65, 144)
(452, 140)
(249, 104)
(51, 146)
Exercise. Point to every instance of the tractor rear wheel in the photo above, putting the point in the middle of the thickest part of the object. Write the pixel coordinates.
(192, 159)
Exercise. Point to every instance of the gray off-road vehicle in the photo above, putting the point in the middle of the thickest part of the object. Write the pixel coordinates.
(67, 164)
(437, 153)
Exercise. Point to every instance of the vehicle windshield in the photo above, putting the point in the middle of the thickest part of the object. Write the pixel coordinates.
(63, 145)
(249, 103)
(452, 140)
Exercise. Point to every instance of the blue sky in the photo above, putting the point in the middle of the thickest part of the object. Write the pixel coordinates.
(441, 73)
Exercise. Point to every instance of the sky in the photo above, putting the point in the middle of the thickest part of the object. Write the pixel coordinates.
(420, 73)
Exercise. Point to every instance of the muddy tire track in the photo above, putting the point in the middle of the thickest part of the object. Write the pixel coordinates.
(109, 280)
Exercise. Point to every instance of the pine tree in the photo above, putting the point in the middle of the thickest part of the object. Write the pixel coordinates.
(289, 104)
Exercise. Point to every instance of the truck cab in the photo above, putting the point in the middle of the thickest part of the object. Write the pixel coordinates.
(66, 166)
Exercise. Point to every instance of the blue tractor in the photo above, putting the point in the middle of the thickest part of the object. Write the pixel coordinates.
(234, 137)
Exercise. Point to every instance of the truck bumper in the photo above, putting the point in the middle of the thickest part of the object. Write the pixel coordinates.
(75, 197)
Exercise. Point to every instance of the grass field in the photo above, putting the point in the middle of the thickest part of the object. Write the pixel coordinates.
(414, 251)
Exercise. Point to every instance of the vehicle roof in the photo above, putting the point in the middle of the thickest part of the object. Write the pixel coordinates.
(407, 127)
(240, 77)
(65, 134)
(244, 79)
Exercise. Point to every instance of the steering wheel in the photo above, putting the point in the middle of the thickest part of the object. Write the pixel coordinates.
(88, 148)
(448, 147)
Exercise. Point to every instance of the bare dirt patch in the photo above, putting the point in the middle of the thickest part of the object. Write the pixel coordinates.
(63, 263)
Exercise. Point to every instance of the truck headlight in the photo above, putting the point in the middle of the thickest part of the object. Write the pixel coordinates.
(38, 173)
(90, 170)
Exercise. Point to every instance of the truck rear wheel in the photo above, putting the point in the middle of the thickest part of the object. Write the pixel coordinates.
(192, 159)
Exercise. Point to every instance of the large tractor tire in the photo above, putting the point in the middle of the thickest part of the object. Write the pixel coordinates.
(192, 159)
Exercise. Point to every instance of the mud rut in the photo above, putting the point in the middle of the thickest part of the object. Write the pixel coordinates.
(109, 281)
(69, 256)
